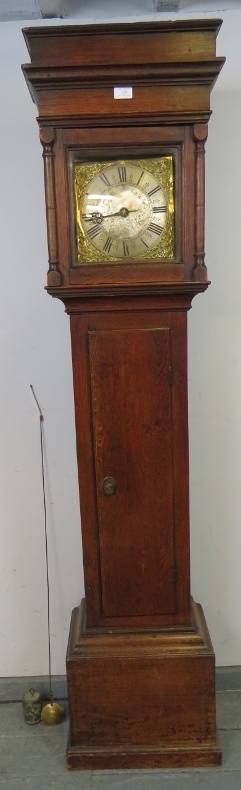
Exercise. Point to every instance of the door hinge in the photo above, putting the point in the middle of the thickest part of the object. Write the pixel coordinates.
(170, 375)
(174, 576)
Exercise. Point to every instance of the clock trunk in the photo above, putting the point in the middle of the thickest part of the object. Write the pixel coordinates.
(135, 431)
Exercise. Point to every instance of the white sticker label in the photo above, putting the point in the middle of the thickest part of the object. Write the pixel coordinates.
(122, 93)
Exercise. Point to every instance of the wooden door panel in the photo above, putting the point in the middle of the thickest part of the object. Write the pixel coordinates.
(132, 423)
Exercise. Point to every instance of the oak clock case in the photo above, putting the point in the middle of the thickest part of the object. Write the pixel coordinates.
(124, 188)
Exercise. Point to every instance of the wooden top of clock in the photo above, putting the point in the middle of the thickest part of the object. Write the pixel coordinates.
(153, 55)
(123, 112)
(147, 42)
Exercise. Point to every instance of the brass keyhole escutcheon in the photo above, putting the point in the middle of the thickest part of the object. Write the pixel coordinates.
(109, 486)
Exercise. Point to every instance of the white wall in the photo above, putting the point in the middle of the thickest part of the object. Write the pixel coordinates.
(35, 349)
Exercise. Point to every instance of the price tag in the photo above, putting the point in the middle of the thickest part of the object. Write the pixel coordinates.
(122, 93)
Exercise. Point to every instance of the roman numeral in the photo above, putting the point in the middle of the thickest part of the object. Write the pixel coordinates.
(105, 180)
(93, 232)
(153, 191)
(159, 209)
(142, 174)
(155, 228)
(145, 245)
(122, 174)
(125, 248)
(107, 245)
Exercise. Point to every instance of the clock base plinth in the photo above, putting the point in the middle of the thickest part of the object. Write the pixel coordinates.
(141, 700)
(126, 757)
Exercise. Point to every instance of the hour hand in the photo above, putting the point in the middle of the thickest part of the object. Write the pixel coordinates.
(96, 217)
(123, 212)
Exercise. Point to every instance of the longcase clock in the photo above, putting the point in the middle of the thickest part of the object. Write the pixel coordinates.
(123, 113)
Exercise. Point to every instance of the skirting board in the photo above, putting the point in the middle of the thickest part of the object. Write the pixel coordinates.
(13, 689)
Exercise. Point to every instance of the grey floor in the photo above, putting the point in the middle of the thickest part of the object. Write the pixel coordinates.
(33, 758)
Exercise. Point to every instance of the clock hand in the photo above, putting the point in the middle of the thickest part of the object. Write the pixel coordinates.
(97, 217)
(122, 213)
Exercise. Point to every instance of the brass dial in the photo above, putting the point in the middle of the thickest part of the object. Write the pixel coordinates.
(124, 209)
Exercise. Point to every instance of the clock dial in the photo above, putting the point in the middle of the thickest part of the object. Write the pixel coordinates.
(125, 209)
